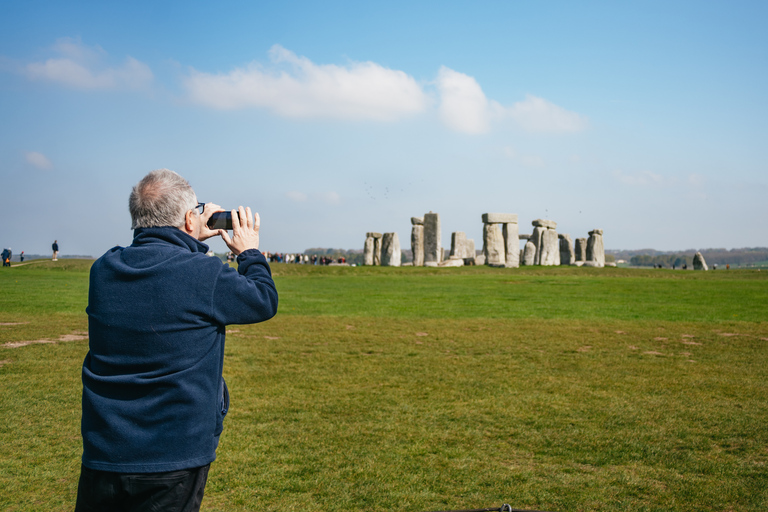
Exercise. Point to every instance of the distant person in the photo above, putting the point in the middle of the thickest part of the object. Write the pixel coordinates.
(55, 249)
(727, 266)
(21, 256)
(6, 257)
(154, 399)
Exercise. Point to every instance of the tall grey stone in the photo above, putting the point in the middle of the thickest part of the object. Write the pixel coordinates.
(493, 245)
(458, 244)
(510, 232)
(567, 257)
(470, 253)
(376, 247)
(550, 248)
(537, 238)
(461, 246)
(368, 251)
(580, 249)
(417, 244)
(529, 253)
(432, 248)
(595, 247)
(699, 263)
(390, 250)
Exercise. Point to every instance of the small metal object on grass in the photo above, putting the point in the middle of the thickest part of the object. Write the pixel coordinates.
(504, 508)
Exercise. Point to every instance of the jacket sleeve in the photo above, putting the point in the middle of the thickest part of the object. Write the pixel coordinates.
(247, 295)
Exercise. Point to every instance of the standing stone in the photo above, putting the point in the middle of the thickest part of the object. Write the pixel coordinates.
(417, 241)
(493, 245)
(462, 248)
(368, 251)
(529, 253)
(511, 244)
(566, 250)
(595, 248)
(433, 251)
(699, 263)
(581, 249)
(470, 256)
(550, 248)
(458, 244)
(537, 238)
(376, 248)
(547, 248)
(390, 250)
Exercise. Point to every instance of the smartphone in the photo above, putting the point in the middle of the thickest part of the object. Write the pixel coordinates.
(220, 220)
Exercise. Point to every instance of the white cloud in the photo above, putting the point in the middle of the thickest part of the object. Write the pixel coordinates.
(295, 195)
(693, 184)
(296, 87)
(330, 197)
(39, 160)
(536, 114)
(463, 105)
(80, 67)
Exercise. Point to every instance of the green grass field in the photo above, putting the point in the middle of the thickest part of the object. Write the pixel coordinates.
(416, 389)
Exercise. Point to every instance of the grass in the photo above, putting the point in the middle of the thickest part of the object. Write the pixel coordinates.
(432, 389)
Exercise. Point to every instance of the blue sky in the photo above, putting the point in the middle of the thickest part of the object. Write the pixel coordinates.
(646, 119)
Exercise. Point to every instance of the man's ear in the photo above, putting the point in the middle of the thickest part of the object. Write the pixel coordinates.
(189, 224)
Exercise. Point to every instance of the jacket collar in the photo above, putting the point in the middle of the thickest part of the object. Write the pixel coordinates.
(168, 234)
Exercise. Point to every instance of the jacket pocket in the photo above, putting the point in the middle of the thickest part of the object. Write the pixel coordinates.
(223, 407)
(224, 398)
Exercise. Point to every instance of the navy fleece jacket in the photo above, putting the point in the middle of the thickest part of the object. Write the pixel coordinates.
(153, 394)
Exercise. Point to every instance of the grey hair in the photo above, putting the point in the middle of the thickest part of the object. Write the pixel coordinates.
(161, 198)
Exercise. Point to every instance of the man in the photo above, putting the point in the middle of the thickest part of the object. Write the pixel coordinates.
(154, 399)
(6, 257)
(55, 249)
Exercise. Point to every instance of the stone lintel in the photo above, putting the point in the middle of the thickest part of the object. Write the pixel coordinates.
(524, 237)
(596, 232)
(417, 221)
(500, 218)
(373, 235)
(543, 223)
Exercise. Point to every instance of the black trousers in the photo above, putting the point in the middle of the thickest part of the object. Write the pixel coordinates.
(177, 491)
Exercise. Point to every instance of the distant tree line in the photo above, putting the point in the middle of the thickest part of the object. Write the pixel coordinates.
(721, 257)
(665, 260)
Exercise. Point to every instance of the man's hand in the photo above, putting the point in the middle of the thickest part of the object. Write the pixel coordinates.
(245, 231)
(205, 231)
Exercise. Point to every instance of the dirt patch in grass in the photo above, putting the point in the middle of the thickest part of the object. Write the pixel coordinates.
(78, 336)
